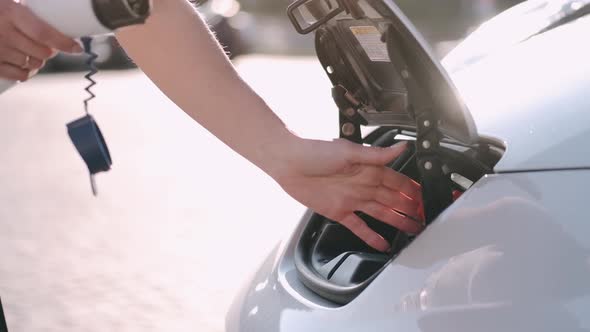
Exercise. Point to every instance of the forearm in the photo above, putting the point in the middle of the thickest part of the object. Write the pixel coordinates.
(177, 52)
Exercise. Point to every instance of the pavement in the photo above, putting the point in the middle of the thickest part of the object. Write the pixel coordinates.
(179, 223)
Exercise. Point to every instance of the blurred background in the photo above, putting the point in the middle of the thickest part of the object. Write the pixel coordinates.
(261, 27)
(180, 221)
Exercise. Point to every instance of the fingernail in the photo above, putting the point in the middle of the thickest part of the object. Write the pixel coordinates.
(420, 228)
(399, 145)
(384, 246)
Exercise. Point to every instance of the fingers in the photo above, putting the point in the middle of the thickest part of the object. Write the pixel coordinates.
(364, 232)
(390, 217)
(13, 73)
(399, 182)
(42, 33)
(376, 176)
(388, 197)
(35, 64)
(19, 59)
(17, 40)
(375, 155)
(26, 41)
(397, 201)
(383, 175)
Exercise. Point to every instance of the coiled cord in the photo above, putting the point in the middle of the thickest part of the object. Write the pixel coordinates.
(86, 42)
(84, 132)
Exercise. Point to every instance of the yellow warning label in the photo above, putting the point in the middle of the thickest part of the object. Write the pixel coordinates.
(370, 40)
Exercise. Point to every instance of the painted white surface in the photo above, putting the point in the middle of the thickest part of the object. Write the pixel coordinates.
(507, 256)
(534, 97)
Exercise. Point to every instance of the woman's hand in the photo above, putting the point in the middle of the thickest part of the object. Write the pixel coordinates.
(26, 42)
(334, 179)
(337, 178)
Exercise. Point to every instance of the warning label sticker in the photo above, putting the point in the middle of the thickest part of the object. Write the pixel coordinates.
(370, 39)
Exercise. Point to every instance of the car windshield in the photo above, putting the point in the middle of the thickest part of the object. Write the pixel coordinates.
(511, 27)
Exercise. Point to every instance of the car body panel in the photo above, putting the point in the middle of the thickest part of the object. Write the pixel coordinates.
(510, 27)
(533, 97)
(518, 261)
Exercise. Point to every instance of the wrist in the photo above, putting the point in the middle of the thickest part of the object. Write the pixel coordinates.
(277, 154)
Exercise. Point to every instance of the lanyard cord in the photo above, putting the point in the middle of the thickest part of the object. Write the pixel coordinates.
(84, 132)
(87, 41)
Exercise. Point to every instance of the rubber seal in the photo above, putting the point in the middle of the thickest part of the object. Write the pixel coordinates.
(90, 143)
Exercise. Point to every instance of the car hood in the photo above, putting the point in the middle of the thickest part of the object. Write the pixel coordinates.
(533, 96)
(511, 27)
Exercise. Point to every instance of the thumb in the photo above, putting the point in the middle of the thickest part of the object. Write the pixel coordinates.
(376, 155)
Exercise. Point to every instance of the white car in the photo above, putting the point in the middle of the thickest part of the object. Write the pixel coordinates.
(508, 126)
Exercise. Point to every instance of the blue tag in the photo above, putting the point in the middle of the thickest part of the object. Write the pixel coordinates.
(91, 146)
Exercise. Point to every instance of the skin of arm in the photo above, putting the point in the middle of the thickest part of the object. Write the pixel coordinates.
(178, 52)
